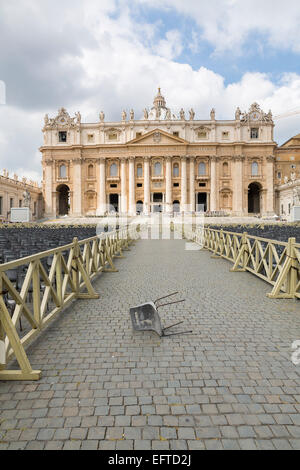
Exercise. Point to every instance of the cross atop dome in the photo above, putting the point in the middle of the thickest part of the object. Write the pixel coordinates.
(159, 100)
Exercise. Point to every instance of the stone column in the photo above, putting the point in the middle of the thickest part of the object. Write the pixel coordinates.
(213, 183)
(147, 185)
(132, 204)
(102, 188)
(238, 185)
(270, 185)
(123, 186)
(183, 185)
(168, 184)
(77, 187)
(192, 184)
(50, 209)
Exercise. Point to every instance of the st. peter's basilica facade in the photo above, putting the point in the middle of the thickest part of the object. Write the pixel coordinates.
(159, 163)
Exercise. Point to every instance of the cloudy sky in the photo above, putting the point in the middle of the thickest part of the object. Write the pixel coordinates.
(110, 55)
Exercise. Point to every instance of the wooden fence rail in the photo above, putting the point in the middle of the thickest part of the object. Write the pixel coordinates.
(49, 282)
(276, 262)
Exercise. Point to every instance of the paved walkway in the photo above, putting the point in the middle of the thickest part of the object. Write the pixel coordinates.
(229, 385)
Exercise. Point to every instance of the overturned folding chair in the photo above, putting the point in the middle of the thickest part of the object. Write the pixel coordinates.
(145, 317)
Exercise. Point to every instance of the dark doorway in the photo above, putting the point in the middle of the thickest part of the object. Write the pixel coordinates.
(176, 206)
(254, 198)
(114, 202)
(157, 202)
(63, 199)
(202, 202)
(139, 207)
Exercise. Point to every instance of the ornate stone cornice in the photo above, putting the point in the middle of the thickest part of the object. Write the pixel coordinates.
(239, 158)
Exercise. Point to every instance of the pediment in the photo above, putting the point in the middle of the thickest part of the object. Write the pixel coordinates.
(293, 142)
(157, 137)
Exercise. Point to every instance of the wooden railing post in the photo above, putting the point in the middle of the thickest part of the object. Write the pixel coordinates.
(287, 278)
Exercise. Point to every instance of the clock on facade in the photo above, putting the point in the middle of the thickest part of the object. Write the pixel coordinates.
(254, 116)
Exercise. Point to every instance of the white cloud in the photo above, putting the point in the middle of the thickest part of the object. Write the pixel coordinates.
(125, 61)
(227, 24)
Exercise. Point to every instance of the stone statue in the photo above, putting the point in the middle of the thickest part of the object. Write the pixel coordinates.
(26, 198)
(192, 114)
(168, 114)
(46, 119)
(78, 117)
(286, 179)
(131, 115)
(238, 114)
(102, 116)
(293, 176)
(146, 115)
(182, 114)
(124, 116)
(296, 198)
(213, 114)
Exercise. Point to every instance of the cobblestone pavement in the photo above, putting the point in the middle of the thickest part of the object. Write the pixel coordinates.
(229, 385)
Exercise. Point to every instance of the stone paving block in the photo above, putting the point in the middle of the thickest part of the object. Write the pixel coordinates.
(218, 382)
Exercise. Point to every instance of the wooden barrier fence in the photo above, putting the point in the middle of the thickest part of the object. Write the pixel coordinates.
(276, 262)
(50, 281)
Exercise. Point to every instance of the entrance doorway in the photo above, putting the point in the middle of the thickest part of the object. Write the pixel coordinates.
(254, 190)
(202, 202)
(63, 199)
(114, 203)
(139, 207)
(176, 206)
(157, 202)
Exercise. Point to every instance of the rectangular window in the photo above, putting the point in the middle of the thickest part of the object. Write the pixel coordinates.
(254, 133)
(202, 185)
(225, 135)
(176, 185)
(289, 208)
(282, 208)
(138, 134)
(112, 136)
(90, 137)
(20, 202)
(176, 134)
(139, 185)
(113, 185)
(11, 202)
(34, 208)
(1, 205)
(279, 175)
(62, 136)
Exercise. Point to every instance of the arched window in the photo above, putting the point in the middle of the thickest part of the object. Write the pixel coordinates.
(254, 169)
(176, 170)
(91, 171)
(62, 171)
(201, 169)
(113, 170)
(225, 169)
(157, 169)
(139, 171)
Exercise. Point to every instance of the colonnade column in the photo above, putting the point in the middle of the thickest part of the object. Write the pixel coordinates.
(50, 210)
(77, 193)
(270, 185)
(102, 188)
(132, 204)
(123, 187)
(213, 183)
(168, 185)
(183, 185)
(238, 185)
(192, 184)
(147, 185)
